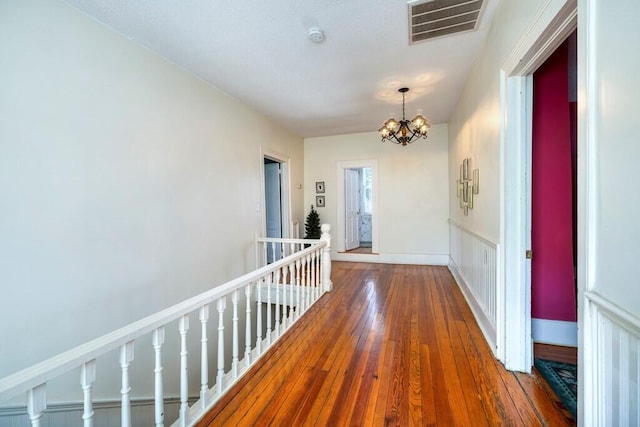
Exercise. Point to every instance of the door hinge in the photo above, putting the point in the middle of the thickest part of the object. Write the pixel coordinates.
(528, 254)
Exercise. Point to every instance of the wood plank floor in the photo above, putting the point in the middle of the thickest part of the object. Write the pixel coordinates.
(390, 345)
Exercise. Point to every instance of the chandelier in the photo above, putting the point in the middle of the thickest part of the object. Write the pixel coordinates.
(404, 132)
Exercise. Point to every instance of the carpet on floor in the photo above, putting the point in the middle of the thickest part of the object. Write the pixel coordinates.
(563, 380)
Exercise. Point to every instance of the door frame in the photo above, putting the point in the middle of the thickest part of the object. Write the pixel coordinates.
(285, 190)
(556, 20)
(340, 208)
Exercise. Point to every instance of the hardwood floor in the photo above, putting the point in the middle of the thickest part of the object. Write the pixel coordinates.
(390, 345)
(556, 352)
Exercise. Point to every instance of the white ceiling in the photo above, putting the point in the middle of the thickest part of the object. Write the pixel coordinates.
(258, 52)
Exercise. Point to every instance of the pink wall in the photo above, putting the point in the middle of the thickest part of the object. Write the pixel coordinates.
(552, 271)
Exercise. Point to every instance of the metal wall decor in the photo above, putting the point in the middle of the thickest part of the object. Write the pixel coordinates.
(467, 184)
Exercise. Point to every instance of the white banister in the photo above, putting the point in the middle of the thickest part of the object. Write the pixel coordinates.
(87, 378)
(297, 281)
(183, 327)
(157, 342)
(36, 404)
(126, 357)
(204, 355)
(222, 306)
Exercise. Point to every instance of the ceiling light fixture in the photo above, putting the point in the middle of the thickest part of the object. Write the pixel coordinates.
(404, 132)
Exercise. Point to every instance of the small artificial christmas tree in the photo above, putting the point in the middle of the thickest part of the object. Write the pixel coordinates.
(312, 225)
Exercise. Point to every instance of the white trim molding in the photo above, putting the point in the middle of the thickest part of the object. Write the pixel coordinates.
(556, 332)
(474, 265)
(612, 368)
(391, 258)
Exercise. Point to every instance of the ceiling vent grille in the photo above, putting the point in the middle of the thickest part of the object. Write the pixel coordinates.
(437, 18)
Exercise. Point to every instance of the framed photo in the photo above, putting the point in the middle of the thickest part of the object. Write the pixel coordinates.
(320, 201)
(320, 187)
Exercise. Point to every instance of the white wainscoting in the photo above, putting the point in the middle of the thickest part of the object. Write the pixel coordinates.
(615, 370)
(473, 263)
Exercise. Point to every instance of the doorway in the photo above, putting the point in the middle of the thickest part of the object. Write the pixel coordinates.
(554, 199)
(358, 210)
(553, 24)
(276, 202)
(357, 224)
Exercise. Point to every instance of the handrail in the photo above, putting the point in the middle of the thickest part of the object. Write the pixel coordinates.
(32, 379)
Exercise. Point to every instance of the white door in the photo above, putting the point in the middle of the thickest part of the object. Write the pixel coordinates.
(272, 205)
(352, 211)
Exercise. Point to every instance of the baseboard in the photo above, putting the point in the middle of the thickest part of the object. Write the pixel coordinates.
(390, 258)
(554, 332)
(485, 324)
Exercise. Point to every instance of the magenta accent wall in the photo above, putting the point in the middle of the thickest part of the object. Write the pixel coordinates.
(552, 270)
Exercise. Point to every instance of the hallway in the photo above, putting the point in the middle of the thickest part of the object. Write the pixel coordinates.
(390, 345)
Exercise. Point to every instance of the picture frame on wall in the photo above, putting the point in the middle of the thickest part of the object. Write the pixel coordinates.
(319, 186)
(320, 201)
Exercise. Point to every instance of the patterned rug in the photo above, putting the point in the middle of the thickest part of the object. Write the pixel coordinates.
(563, 379)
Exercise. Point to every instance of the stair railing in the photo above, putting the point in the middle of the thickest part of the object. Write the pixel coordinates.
(295, 281)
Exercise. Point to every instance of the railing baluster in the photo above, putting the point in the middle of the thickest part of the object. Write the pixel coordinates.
(126, 357)
(268, 285)
(298, 289)
(222, 305)
(204, 356)
(326, 258)
(277, 289)
(309, 284)
(235, 297)
(259, 316)
(36, 404)
(247, 331)
(303, 287)
(291, 285)
(273, 253)
(314, 289)
(87, 378)
(183, 327)
(157, 342)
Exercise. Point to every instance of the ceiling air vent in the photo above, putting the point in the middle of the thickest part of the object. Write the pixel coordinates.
(437, 18)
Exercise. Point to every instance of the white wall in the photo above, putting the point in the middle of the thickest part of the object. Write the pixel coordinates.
(609, 231)
(612, 136)
(412, 190)
(474, 128)
(126, 183)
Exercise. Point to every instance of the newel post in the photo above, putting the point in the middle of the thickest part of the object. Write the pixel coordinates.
(327, 284)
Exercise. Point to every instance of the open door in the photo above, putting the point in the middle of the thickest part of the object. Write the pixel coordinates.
(273, 204)
(352, 211)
